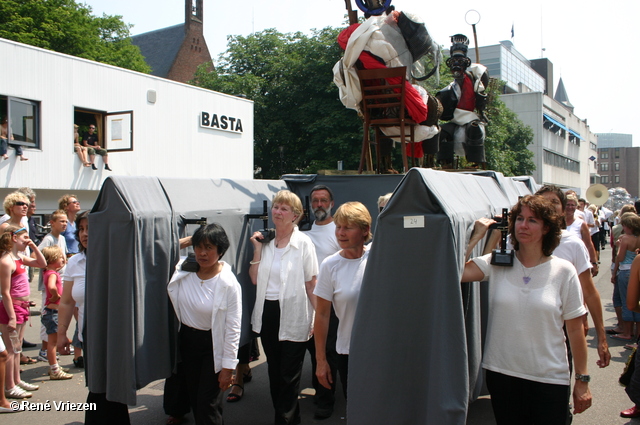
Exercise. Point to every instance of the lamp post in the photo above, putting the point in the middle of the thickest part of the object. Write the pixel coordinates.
(472, 17)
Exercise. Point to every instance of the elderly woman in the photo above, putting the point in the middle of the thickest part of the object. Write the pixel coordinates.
(284, 269)
(339, 283)
(208, 304)
(627, 245)
(579, 228)
(14, 308)
(525, 357)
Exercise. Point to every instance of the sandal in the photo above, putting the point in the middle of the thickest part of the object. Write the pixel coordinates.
(27, 360)
(232, 398)
(247, 377)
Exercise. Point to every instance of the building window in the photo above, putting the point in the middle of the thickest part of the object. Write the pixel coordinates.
(604, 166)
(616, 166)
(593, 146)
(604, 153)
(616, 179)
(23, 119)
(561, 161)
(604, 179)
(617, 153)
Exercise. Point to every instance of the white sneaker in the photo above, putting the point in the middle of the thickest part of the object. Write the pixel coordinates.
(59, 375)
(27, 386)
(17, 393)
(42, 356)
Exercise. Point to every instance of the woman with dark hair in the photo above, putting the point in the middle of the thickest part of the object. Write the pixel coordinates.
(208, 304)
(284, 270)
(633, 304)
(525, 356)
(627, 245)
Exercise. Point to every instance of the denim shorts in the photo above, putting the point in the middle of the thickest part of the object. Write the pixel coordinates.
(49, 320)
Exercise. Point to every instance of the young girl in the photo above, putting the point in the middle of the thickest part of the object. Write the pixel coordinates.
(53, 285)
(14, 310)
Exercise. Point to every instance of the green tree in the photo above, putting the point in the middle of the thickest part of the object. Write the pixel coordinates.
(68, 27)
(300, 124)
(507, 137)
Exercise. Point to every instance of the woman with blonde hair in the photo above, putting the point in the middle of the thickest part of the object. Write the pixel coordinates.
(339, 283)
(284, 268)
(14, 309)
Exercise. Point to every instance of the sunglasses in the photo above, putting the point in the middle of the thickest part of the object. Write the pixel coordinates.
(22, 204)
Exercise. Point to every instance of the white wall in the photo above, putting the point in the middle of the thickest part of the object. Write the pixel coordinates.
(167, 138)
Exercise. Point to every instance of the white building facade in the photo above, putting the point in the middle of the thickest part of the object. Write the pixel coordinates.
(150, 126)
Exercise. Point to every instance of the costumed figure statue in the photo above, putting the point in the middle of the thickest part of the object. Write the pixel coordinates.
(389, 38)
(463, 102)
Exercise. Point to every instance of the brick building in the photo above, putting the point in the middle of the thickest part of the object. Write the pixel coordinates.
(176, 52)
(619, 166)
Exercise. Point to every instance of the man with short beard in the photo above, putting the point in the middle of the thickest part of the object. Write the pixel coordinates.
(323, 236)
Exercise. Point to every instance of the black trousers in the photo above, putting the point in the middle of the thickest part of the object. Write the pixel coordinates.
(284, 361)
(523, 402)
(106, 412)
(325, 397)
(205, 396)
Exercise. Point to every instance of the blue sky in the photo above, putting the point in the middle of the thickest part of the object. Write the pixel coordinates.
(592, 44)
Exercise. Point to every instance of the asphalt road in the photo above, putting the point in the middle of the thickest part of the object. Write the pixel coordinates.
(255, 408)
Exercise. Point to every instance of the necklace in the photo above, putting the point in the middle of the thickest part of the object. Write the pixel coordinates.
(278, 241)
(526, 279)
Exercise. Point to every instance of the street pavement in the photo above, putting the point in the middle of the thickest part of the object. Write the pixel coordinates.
(255, 407)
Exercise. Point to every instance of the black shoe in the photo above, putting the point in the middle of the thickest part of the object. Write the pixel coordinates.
(323, 412)
(27, 344)
(106, 167)
(93, 167)
(79, 362)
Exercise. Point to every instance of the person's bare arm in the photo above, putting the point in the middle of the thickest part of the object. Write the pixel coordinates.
(592, 299)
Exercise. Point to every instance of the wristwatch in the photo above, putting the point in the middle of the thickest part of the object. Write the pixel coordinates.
(583, 378)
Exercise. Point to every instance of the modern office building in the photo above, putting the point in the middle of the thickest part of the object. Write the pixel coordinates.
(564, 147)
(619, 162)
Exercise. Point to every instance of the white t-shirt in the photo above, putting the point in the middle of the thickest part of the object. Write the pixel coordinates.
(324, 239)
(50, 240)
(572, 249)
(590, 220)
(76, 273)
(575, 227)
(24, 221)
(524, 330)
(339, 281)
(196, 301)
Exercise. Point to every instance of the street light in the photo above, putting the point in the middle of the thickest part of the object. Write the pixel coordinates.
(472, 17)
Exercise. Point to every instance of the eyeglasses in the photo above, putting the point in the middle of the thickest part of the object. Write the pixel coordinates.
(22, 204)
(92, 128)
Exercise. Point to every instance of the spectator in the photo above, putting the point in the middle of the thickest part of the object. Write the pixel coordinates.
(5, 136)
(78, 148)
(92, 143)
(14, 308)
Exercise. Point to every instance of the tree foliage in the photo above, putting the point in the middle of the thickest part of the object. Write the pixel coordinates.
(300, 123)
(68, 27)
(507, 137)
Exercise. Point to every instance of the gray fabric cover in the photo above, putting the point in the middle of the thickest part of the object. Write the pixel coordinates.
(134, 232)
(414, 318)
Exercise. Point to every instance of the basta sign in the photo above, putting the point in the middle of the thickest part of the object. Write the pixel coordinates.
(220, 122)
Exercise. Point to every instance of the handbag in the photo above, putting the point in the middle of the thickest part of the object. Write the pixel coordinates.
(629, 368)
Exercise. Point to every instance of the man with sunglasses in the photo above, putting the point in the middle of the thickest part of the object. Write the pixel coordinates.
(92, 143)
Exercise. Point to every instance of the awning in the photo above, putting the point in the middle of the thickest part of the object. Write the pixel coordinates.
(556, 122)
(575, 133)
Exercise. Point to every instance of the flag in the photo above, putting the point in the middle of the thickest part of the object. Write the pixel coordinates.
(511, 30)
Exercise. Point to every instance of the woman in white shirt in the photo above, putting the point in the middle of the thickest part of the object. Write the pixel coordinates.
(208, 304)
(339, 283)
(284, 270)
(525, 357)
